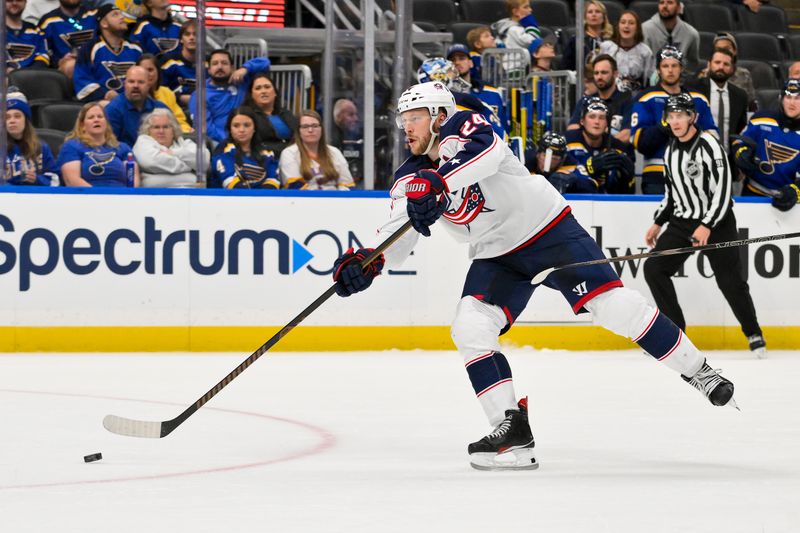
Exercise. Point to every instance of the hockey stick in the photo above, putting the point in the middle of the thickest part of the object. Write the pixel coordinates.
(540, 277)
(772, 193)
(157, 430)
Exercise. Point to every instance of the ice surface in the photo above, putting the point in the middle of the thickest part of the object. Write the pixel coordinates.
(376, 442)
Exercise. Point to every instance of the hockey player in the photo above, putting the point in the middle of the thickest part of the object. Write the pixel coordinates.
(651, 135)
(516, 226)
(549, 159)
(768, 151)
(492, 97)
(699, 209)
(604, 162)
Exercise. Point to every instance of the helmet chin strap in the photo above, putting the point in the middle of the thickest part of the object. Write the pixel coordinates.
(434, 135)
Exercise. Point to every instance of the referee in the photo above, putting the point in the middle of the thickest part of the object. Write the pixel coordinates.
(699, 208)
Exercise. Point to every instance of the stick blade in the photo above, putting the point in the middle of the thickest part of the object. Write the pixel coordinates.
(132, 428)
(540, 277)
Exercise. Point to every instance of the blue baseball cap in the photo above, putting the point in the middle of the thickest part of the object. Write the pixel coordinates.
(457, 48)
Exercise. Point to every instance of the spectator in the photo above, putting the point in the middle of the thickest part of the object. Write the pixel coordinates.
(634, 58)
(92, 156)
(29, 161)
(767, 152)
(274, 123)
(346, 123)
(667, 28)
(492, 97)
(101, 66)
(754, 6)
(37, 8)
(178, 68)
(312, 164)
(125, 112)
(741, 75)
(597, 29)
(225, 90)
(478, 40)
(549, 159)
(166, 158)
(25, 46)
(604, 78)
(649, 131)
(65, 30)
(543, 56)
(520, 29)
(604, 163)
(157, 33)
(794, 70)
(728, 102)
(161, 93)
(240, 163)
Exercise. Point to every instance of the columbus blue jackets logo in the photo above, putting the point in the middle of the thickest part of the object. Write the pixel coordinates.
(472, 204)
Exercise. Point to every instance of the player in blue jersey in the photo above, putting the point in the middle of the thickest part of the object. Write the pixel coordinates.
(604, 162)
(25, 45)
(101, 66)
(178, 69)
(768, 152)
(649, 132)
(29, 161)
(550, 159)
(93, 157)
(65, 30)
(240, 163)
(157, 32)
(517, 225)
(459, 55)
(440, 69)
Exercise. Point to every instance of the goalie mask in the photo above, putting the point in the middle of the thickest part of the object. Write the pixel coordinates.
(432, 96)
(669, 52)
(551, 144)
(443, 70)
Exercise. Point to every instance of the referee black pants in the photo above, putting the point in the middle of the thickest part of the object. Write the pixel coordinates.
(725, 262)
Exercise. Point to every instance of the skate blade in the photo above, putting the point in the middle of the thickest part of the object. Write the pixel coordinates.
(732, 403)
(521, 459)
(761, 353)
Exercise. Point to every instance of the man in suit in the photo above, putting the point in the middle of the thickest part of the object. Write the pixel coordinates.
(728, 102)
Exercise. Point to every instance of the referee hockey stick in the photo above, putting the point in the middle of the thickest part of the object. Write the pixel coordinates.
(158, 430)
(540, 277)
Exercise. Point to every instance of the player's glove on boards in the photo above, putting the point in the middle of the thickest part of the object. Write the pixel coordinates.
(425, 206)
(789, 197)
(350, 278)
(603, 163)
(745, 159)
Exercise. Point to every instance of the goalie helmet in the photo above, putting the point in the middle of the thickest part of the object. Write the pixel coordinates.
(553, 141)
(443, 70)
(432, 96)
(791, 87)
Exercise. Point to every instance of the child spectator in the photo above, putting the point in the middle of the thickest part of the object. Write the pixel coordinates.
(166, 158)
(92, 156)
(65, 30)
(125, 112)
(310, 163)
(241, 163)
(520, 29)
(543, 56)
(160, 93)
(275, 124)
(100, 67)
(25, 46)
(478, 40)
(157, 33)
(29, 161)
(178, 67)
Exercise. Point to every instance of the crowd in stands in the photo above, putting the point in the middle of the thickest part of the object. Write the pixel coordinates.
(136, 81)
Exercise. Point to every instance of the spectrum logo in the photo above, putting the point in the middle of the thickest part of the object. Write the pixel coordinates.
(82, 251)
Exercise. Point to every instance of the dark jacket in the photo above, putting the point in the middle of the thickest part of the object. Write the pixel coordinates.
(737, 100)
(266, 134)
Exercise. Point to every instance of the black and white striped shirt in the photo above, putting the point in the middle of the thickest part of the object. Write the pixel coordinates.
(699, 181)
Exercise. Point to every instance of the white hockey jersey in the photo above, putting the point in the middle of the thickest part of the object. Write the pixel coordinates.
(494, 203)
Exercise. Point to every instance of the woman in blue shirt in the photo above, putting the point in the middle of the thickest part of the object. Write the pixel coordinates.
(29, 161)
(241, 162)
(93, 157)
(275, 125)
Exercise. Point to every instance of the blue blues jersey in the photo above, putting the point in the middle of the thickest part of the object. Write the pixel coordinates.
(649, 138)
(777, 149)
(156, 36)
(25, 46)
(246, 173)
(99, 69)
(470, 102)
(619, 181)
(65, 34)
(101, 166)
(44, 163)
(179, 74)
(493, 98)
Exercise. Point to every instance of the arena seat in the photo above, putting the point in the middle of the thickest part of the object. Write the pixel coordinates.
(42, 84)
(53, 138)
(769, 19)
(552, 13)
(614, 9)
(645, 9)
(461, 29)
(761, 46)
(710, 17)
(764, 75)
(767, 99)
(706, 44)
(483, 11)
(441, 13)
(60, 116)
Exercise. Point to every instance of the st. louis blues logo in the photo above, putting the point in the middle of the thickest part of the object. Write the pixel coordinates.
(117, 70)
(19, 52)
(472, 204)
(776, 154)
(188, 84)
(165, 44)
(76, 39)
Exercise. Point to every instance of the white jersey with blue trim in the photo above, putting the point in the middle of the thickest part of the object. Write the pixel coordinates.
(494, 203)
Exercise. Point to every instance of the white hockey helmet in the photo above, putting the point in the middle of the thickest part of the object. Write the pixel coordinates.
(433, 96)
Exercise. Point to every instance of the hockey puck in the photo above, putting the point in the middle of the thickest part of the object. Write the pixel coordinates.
(92, 457)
